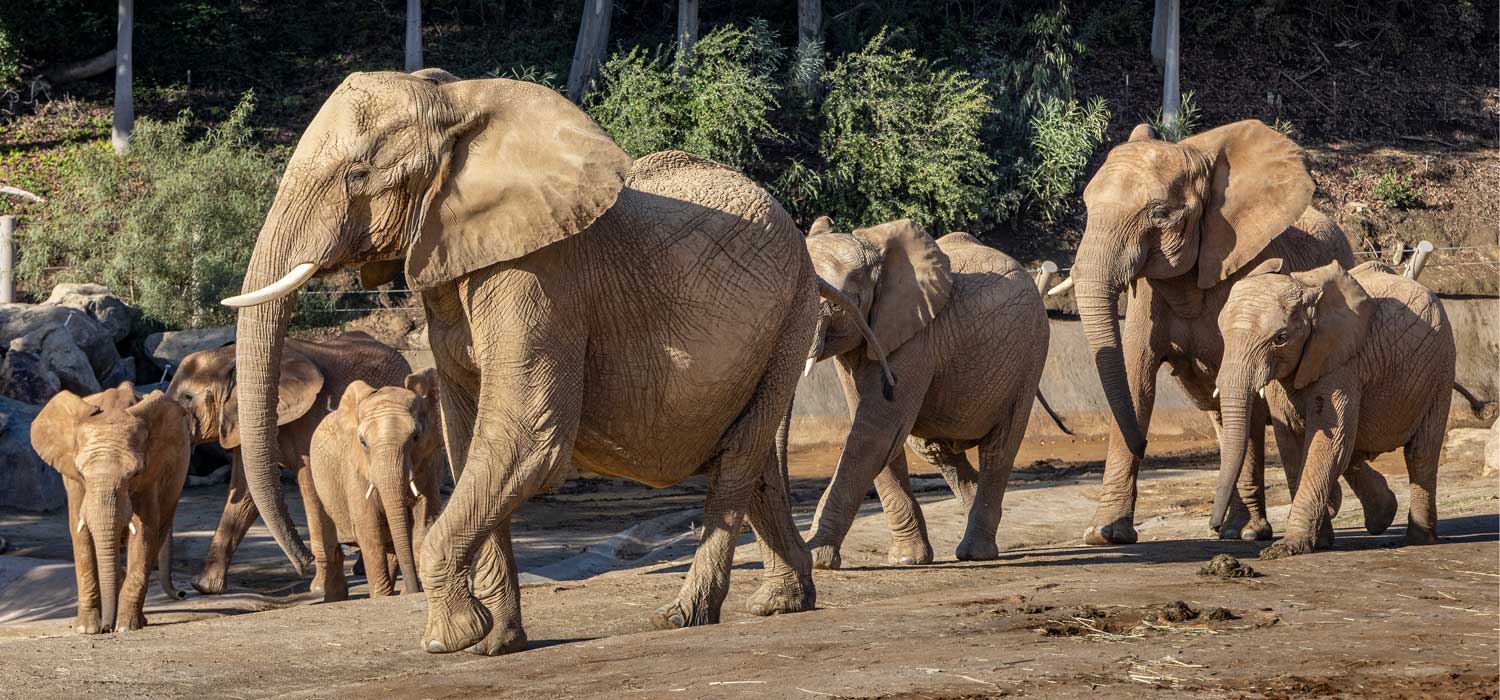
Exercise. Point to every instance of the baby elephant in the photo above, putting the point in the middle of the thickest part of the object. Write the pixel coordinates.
(375, 465)
(123, 458)
(1352, 364)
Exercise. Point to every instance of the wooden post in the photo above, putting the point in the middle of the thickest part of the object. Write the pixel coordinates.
(809, 39)
(687, 31)
(1171, 92)
(7, 259)
(588, 53)
(119, 136)
(1159, 35)
(413, 35)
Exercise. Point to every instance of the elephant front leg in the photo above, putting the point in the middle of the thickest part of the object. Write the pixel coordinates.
(370, 533)
(1114, 516)
(909, 543)
(239, 515)
(1334, 410)
(140, 555)
(788, 585)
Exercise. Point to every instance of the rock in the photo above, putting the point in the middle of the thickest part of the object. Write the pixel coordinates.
(57, 352)
(26, 482)
(124, 371)
(1467, 445)
(171, 347)
(114, 315)
(25, 378)
(90, 336)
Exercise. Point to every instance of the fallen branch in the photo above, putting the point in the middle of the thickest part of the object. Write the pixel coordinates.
(78, 70)
(23, 194)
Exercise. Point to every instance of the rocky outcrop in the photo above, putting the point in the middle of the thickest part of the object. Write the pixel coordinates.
(26, 482)
(167, 349)
(114, 315)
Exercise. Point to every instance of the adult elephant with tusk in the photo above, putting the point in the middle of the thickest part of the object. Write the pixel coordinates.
(1173, 225)
(645, 320)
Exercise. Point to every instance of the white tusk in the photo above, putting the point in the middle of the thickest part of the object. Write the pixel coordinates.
(80, 525)
(369, 491)
(1262, 392)
(1216, 392)
(1061, 288)
(413, 485)
(132, 527)
(807, 368)
(275, 290)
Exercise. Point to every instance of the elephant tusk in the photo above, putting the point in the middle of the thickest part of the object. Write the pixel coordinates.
(1061, 288)
(80, 525)
(132, 527)
(369, 491)
(1262, 392)
(807, 368)
(413, 485)
(275, 290)
(1216, 392)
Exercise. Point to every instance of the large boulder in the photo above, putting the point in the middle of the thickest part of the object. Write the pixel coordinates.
(26, 482)
(26, 378)
(1492, 449)
(114, 315)
(89, 335)
(55, 348)
(169, 348)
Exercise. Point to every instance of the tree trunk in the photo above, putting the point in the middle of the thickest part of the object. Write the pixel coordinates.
(124, 101)
(1159, 35)
(413, 35)
(687, 31)
(1171, 91)
(588, 53)
(809, 44)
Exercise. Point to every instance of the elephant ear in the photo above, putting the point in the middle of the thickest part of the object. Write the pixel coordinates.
(821, 226)
(913, 283)
(301, 380)
(1266, 267)
(423, 384)
(1258, 186)
(52, 431)
(170, 432)
(1143, 132)
(524, 168)
(1340, 314)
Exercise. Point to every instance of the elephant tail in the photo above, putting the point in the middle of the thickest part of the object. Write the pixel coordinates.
(164, 564)
(1478, 406)
(1052, 414)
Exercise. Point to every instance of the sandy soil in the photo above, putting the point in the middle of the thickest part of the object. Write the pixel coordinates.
(1050, 619)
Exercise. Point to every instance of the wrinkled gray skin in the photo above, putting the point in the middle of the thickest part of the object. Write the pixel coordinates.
(642, 320)
(1353, 365)
(967, 371)
(1172, 226)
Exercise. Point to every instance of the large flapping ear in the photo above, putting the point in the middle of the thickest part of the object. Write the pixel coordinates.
(301, 380)
(1143, 132)
(822, 225)
(913, 283)
(1340, 312)
(423, 384)
(52, 431)
(356, 392)
(1259, 186)
(1266, 267)
(171, 439)
(524, 168)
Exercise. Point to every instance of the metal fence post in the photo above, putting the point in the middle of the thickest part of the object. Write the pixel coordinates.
(7, 259)
(1044, 275)
(1418, 259)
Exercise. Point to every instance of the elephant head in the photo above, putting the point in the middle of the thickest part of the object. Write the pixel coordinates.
(440, 176)
(102, 443)
(1158, 210)
(205, 387)
(386, 432)
(1294, 328)
(880, 286)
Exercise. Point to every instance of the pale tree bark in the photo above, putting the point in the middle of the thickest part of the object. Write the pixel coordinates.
(1159, 35)
(1171, 90)
(687, 31)
(413, 35)
(588, 53)
(124, 100)
(809, 41)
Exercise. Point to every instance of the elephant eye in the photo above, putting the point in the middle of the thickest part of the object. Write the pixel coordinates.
(362, 442)
(357, 175)
(1160, 213)
(1280, 338)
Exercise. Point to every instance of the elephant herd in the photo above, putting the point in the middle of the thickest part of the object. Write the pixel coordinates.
(648, 319)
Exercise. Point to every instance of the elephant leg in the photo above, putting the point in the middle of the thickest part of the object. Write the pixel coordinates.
(85, 571)
(1114, 516)
(1247, 510)
(909, 543)
(497, 585)
(239, 515)
(724, 511)
(954, 465)
(788, 585)
(140, 555)
(1423, 453)
(997, 456)
(335, 586)
(313, 508)
(1375, 495)
(369, 532)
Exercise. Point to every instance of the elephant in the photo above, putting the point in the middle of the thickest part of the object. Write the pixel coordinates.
(966, 334)
(313, 376)
(1178, 224)
(1352, 365)
(367, 456)
(123, 458)
(644, 320)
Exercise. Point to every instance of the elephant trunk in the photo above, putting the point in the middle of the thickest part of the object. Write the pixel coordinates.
(104, 513)
(1234, 415)
(819, 341)
(391, 471)
(1102, 271)
(887, 378)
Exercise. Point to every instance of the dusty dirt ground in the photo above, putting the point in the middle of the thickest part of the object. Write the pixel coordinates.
(1051, 618)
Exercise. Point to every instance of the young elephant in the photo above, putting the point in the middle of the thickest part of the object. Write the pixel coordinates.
(1352, 365)
(967, 337)
(123, 459)
(375, 464)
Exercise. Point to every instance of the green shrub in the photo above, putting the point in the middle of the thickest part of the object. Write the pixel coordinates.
(900, 138)
(1063, 136)
(168, 227)
(1188, 116)
(1397, 190)
(10, 62)
(717, 107)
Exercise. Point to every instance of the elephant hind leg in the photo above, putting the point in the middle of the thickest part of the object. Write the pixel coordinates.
(997, 456)
(909, 543)
(953, 464)
(788, 565)
(239, 515)
(1375, 495)
(1423, 453)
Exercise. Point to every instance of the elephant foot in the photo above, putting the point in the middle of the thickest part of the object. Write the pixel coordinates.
(1291, 545)
(1258, 529)
(129, 622)
(1120, 531)
(679, 614)
(454, 625)
(825, 556)
(209, 581)
(503, 639)
(1417, 535)
(1325, 534)
(1381, 512)
(87, 622)
(978, 549)
(909, 553)
(780, 596)
(319, 583)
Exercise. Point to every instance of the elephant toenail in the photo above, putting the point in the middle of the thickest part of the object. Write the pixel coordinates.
(906, 561)
(678, 620)
(436, 647)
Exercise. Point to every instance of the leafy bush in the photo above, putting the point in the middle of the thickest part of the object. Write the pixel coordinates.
(717, 107)
(902, 138)
(1063, 136)
(1188, 116)
(10, 61)
(1397, 190)
(168, 227)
